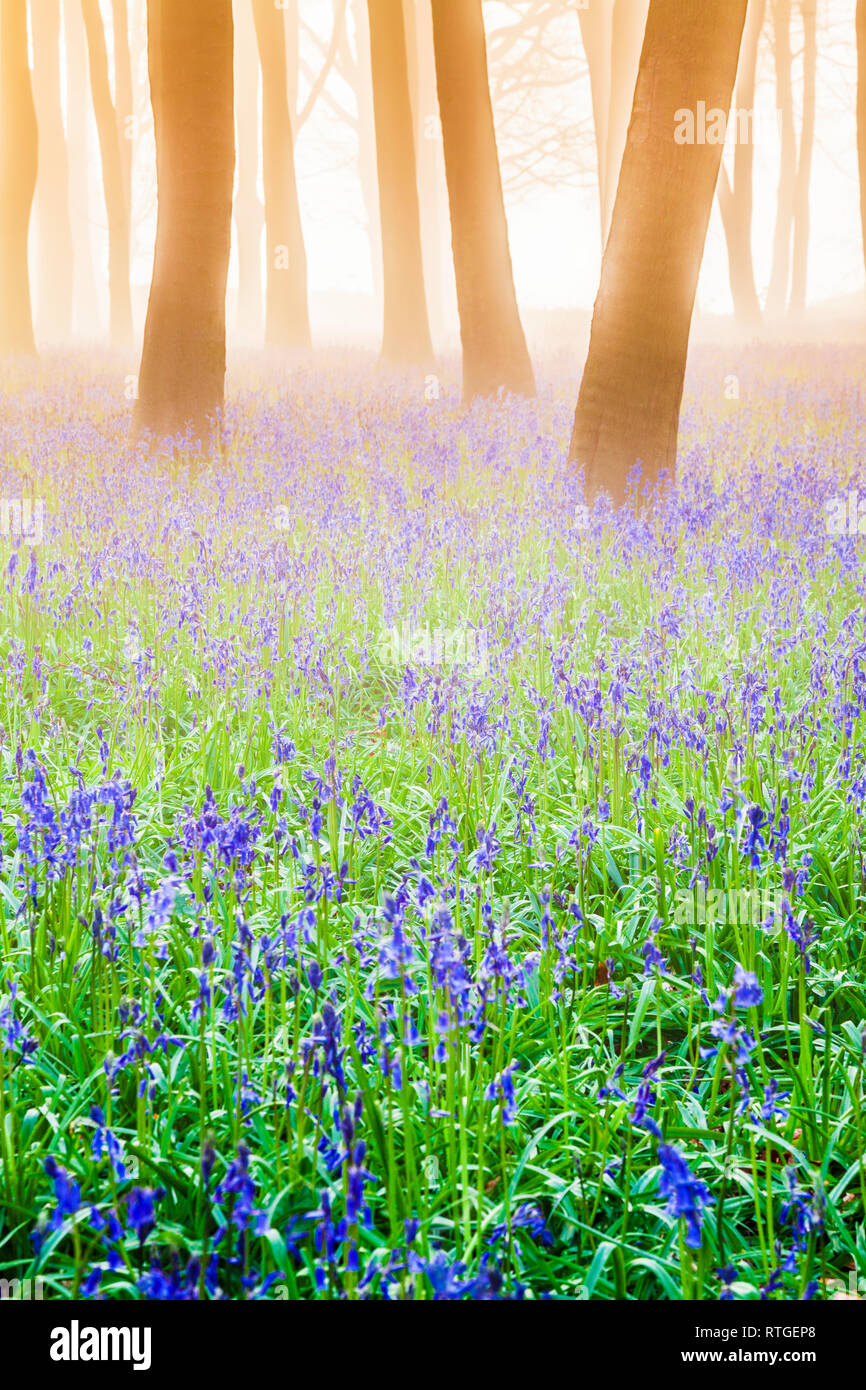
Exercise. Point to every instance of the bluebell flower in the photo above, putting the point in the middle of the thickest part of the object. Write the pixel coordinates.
(67, 1193)
(728, 1276)
(755, 842)
(140, 1213)
(447, 1277)
(747, 992)
(502, 1086)
(686, 1194)
(527, 1216)
(104, 1141)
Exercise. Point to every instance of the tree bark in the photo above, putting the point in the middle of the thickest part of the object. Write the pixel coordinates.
(494, 346)
(735, 197)
(85, 300)
(367, 146)
(287, 314)
(19, 154)
(780, 271)
(182, 376)
(116, 208)
(629, 401)
(123, 99)
(629, 25)
(861, 114)
(406, 327)
(800, 263)
(54, 301)
(431, 170)
(596, 34)
(249, 212)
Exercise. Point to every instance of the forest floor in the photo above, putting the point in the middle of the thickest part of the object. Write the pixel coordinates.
(416, 886)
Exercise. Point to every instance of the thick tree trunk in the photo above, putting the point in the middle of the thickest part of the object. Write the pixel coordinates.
(287, 314)
(18, 164)
(800, 264)
(494, 346)
(182, 376)
(406, 328)
(861, 114)
(249, 212)
(629, 401)
(780, 270)
(735, 198)
(629, 25)
(112, 177)
(85, 300)
(54, 310)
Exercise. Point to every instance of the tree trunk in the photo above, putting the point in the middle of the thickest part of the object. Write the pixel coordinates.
(780, 272)
(629, 24)
(112, 177)
(431, 170)
(861, 114)
(494, 346)
(287, 314)
(595, 32)
(18, 164)
(735, 198)
(249, 212)
(367, 147)
(54, 311)
(800, 263)
(182, 376)
(406, 330)
(123, 99)
(629, 401)
(293, 45)
(85, 299)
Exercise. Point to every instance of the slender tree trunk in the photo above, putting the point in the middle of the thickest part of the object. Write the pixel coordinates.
(629, 401)
(367, 147)
(123, 99)
(85, 299)
(18, 164)
(54, 313)
(629, 24)
(861, 114)
(596, 33)
(494, 346)
(287, 314)
(112, 177)
(124, 106)
(249, 212)
(800, 263)
(780, 271)
(735, 198)
(428, 153)
(406, 330)
(293, 54)
(182, 376)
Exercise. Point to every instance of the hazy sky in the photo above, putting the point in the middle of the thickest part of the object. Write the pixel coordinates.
(554, 230)
(554, 233)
